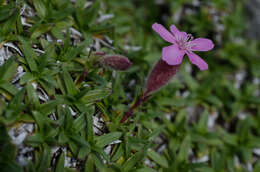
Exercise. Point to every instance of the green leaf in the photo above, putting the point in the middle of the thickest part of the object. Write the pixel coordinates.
(8, 69)
(90, 132)
(41, 29)
(2, 107)
(32, 95)
(69, 84)
(45, 159)
(40, 119)
(35, 140)
(29, 54)
(203, 122)
(161, 160)
(257, 166)
(49, 107)
(40, 8)
(89, 165)
(95, 95)
(79, 123)
(10, 88)
(101, 152)
(60, 163)
(18, 98)
(184, 149)
(83, 152)
(27, 77)
(98, 162)
(118, 154)
(106, 139)
(6, 11)
(59, 26)
(146, 169)
(73, 147)
(132, 161)
(217, 160)
(83, 15)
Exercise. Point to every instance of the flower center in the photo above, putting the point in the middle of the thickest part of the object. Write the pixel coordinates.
(184, 43)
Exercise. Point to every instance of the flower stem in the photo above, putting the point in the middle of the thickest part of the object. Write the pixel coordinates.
(130, 112)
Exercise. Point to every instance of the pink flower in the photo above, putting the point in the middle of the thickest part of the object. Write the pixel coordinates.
(183, 43)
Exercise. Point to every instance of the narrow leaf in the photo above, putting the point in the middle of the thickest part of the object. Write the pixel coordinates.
(104, 140)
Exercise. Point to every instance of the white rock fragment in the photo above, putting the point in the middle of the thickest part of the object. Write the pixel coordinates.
(20, 138)
(34, 84)
(108, 149)
(19, 74)
(249, 167)
(132, 83)
(132, 48)
(59, 41)
(24, 23)
(239, 78)
(185, 94)
(96, 44)
(149, 163)
(110, 41)
(202, 159)
(168, 116)
(88, 4)
(211, 120)
(27, 11)
(256, 81)
(73, 113)
(161, 148)
(54, 149)
(104, 43)
(49, 37)
(75, 32)
(5, 54)
(196, 3)
(115, 142)
(237, 162)
(42, 95)
(257, 151)
(104, 17)
(67, 162)
(97, 125)
(39, 51)
(29, 128)
(242, 115)
(11, 45)
(22, 9)
(86, 85)
(25, 154)
(18, 135)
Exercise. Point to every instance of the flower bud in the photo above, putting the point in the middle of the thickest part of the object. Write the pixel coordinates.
(160, 76)
(116, 62)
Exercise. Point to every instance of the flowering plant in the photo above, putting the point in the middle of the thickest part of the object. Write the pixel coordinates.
(172, 56)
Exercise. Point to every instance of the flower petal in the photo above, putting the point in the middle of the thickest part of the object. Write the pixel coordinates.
(164, 33)
(195, 59)
(174, 30)
(201, 44)
(172, 55)
(178, 35)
